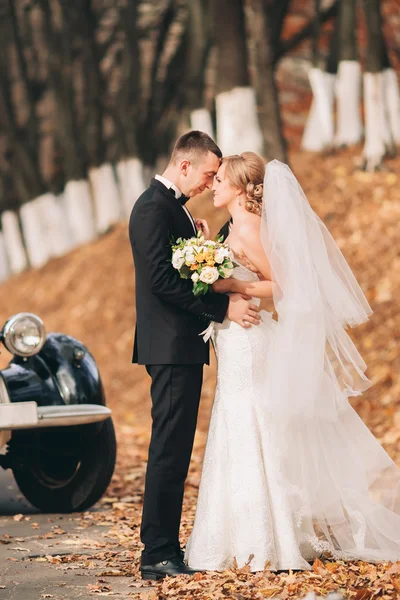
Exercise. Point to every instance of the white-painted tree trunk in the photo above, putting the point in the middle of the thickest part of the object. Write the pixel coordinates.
(349, 128)
(105, 193)
(79, 210)
(55, 225)
(378, 137)
(131, 183)
(238, 128)
(200, 119)
(34, 235)
(392, 96)
(319, 130)
(13, 241)
(4, 264)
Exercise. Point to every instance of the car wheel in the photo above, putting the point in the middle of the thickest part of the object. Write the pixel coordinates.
(68, 482)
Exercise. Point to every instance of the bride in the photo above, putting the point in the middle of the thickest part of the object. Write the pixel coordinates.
(290, 471)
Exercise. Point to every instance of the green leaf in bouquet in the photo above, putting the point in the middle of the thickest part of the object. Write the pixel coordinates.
(185, 272)
(200, 288)
(228, 264)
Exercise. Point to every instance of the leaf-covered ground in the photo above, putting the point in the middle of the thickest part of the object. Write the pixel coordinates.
(90, 294)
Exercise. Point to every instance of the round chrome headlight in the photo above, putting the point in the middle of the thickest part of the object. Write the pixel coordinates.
(24, 334)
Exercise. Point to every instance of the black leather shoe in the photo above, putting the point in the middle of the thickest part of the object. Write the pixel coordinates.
(171, 567)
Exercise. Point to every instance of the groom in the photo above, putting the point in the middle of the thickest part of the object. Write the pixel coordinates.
(168, 342)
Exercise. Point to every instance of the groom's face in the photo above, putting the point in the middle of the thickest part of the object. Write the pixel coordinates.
(199, 174)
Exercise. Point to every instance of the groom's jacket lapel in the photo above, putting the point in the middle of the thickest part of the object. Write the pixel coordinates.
(182, 220)
(169, 318)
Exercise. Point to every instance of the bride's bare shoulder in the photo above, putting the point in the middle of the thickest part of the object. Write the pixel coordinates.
(249, 226)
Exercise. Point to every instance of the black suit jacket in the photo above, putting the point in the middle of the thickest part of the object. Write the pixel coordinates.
(169, 318)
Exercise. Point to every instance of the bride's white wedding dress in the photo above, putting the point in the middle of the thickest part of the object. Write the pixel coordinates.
(276, 491)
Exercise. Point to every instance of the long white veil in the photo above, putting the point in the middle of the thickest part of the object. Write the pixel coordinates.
(340, 486)
(313, 364)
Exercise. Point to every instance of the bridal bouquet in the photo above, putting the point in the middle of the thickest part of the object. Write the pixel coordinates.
(203, 261)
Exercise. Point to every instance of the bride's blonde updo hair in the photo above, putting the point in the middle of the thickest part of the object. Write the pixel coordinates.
(246, 172)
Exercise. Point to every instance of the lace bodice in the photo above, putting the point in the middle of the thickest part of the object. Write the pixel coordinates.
(244, 274)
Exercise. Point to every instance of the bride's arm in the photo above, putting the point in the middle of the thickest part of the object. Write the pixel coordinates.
(256, 289)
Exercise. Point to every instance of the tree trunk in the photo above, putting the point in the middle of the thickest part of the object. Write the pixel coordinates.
(238, 128)
(130, 96)
(201, 119)
(199, 40)
(54, 224)
(259, 26)
(21, 124)
(23, 139)
(232, 70)
(4, 262)
(319, 130)
(348, 86)
(78, 201)
(276, 15)
(391, 84)
(13, 241)
(318, 133)
(106, 198)
(131, 181)
(379, 134)
(59, 46)
(120, 62)
(104, 186)
(32, 229)
(165, 101)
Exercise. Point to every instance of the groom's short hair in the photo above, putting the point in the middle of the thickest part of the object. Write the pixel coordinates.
(192, 145)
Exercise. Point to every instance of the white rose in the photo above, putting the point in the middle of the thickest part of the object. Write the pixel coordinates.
(209, 275)
(190, 257)
(195, 277)
(178, 259)
(219, 255)
(227, 252)
(226, 272)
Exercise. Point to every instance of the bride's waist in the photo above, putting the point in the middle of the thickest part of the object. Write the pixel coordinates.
(266, 317)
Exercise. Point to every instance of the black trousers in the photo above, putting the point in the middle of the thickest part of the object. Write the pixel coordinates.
(175, 394)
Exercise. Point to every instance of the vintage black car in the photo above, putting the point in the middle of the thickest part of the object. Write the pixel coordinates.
(56, 433)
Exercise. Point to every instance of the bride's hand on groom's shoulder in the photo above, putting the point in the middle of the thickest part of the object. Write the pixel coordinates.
(202, 226)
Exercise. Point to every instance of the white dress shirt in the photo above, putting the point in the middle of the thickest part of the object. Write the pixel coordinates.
(169, 185)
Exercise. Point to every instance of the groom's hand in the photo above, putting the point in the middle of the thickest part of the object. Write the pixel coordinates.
(202, 226)
(243, 312)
